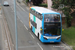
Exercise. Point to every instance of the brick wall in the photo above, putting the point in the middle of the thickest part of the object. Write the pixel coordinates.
(73, 21)
(63, 20)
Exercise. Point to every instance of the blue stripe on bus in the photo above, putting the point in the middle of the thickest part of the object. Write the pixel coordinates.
(61, 23)
(34, 19)
(41, 39)
(33, 29)
(50, 13)
(42, 28)
(43, 24)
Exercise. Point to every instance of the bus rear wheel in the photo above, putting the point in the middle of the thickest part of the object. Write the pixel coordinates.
(31, 28)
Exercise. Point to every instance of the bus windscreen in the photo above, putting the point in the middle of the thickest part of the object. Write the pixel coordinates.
(52, 25)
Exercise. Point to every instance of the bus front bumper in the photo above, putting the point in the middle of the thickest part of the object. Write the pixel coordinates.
(47, 40)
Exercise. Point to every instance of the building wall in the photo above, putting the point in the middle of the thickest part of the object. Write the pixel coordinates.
(63, 20)
(49, 2)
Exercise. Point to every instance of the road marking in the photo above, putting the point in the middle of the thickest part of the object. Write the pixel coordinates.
(66, 46)
(21, 21)
(39, 46)
(25, 27)
(32, 35)
(27, 46)
(18, 17)
(20, 7)
(12, 9)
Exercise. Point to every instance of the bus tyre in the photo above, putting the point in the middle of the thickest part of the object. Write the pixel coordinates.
(38, 35)
(31, 28)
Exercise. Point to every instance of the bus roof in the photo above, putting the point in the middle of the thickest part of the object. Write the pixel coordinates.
(43, 10)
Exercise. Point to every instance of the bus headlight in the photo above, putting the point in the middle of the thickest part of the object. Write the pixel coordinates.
(58, 38)
(45, 38)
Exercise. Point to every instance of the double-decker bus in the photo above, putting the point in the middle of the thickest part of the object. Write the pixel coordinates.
(45, 24)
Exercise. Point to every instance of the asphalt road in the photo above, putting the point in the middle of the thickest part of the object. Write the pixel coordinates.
(0, 1)
(26, 39)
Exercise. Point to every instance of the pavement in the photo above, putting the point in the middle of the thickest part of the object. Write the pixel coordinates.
(2, 30)
(1, 38)
(5, 40)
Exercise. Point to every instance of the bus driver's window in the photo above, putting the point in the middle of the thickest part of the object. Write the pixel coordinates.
(56, 19)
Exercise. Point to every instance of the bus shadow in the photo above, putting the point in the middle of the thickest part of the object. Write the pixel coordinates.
(56, 43)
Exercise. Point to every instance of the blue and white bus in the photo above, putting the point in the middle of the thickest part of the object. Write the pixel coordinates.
(45, 24)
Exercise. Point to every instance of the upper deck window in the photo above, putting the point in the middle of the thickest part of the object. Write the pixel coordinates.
(35, 13)
(51, 18)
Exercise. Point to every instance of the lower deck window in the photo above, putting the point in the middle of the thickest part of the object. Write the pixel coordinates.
(33, 23)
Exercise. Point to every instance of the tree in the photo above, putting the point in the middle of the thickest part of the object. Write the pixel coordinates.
(68, 9)
(37, 2)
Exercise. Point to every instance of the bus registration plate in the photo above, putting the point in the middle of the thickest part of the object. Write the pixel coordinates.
(52, 41)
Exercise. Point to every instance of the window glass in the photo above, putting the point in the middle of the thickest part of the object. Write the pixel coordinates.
(51, 18)
(35, 13)
(33, 23)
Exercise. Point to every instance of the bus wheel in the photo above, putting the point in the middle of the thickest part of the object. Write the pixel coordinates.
(31, 28)
(38, 35)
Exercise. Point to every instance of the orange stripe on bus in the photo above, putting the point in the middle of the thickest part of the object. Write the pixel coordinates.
(29, 20)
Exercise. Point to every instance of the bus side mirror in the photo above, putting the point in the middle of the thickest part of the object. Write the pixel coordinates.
(41, 29)
(62, 29)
